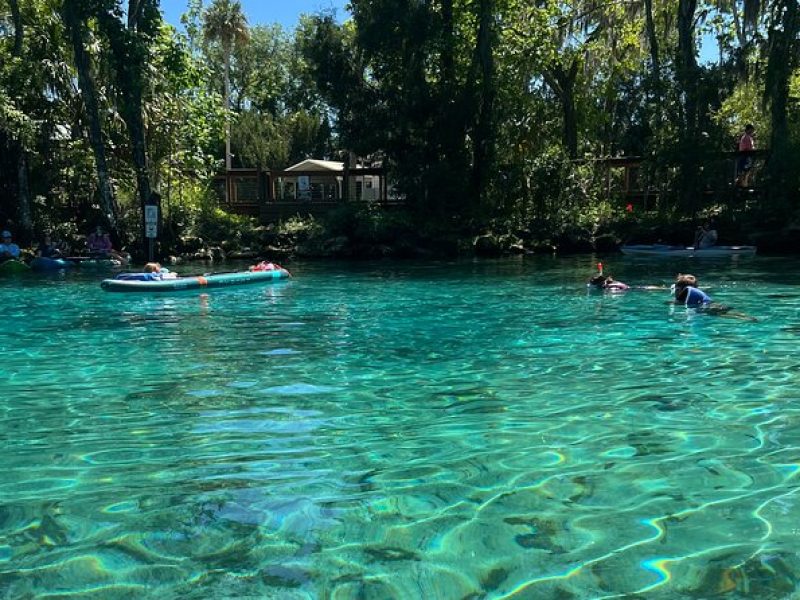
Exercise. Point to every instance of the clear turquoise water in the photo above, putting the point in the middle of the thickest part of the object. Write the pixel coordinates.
(398, 430)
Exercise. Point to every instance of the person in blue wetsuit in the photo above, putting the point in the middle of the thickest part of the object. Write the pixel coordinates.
(690, 296)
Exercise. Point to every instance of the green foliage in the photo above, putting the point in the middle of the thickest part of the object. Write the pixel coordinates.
(216, 225)
(488, 114)
(743, 106)
(261, 140)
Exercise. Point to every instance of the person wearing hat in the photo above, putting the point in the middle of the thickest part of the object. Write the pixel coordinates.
(8, 249)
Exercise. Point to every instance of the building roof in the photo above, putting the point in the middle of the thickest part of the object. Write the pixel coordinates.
(317, 165)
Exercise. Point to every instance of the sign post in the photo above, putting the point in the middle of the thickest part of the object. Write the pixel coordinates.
(151, 220)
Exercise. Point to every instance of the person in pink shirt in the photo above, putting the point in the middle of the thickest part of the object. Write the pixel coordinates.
(99, 242)
(99, 245)
(745, 162)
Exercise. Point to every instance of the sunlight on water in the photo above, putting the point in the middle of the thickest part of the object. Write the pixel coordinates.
(403, 430)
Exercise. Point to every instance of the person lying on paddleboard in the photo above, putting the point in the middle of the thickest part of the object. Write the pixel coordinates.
(152, 271)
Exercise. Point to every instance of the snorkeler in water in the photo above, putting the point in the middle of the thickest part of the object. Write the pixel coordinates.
(608, 283)
(688, 294)
(602, 282)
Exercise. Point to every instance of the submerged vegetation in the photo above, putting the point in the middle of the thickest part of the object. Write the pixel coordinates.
(489, 116)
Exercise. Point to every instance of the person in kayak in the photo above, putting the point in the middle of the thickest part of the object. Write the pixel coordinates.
(47, 248)
(706, 235)
(8, 249)
(99, 245)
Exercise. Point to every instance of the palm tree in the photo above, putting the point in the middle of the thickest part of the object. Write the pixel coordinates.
(225, 23)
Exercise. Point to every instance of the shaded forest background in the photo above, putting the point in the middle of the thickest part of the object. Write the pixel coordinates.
(487, 114)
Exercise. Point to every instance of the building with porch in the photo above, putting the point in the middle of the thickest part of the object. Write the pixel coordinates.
(310, 187)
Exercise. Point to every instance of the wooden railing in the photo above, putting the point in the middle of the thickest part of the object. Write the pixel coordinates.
(277, 194)
(625, 177)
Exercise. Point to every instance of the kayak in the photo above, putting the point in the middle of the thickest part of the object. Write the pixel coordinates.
(42, 263)
(13, 266)
(687, 251)
(200, 282)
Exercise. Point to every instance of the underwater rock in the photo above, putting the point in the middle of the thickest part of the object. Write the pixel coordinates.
(762, 577)
(389, 554)
(494, 579)
(285, 577)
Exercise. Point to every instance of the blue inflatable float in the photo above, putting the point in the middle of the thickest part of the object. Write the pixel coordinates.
(41, 263)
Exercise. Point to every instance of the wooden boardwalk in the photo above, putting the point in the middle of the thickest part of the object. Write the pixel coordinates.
(278, 195)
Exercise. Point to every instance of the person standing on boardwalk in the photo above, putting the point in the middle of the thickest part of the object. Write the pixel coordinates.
(744, 163)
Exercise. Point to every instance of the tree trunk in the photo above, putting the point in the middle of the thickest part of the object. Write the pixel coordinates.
(652, 40)
(686, 68)
(562, 83)
(448, 45)
(108, 203)
(570, 121)
(19, 32)
(609, 108)
(128, 44)
(483, 138)
(227, 61)
(23, 194)
(686, 74)
(783, 60)
(132, 114)
(25, 219)
(133, 84)
(738, 26)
